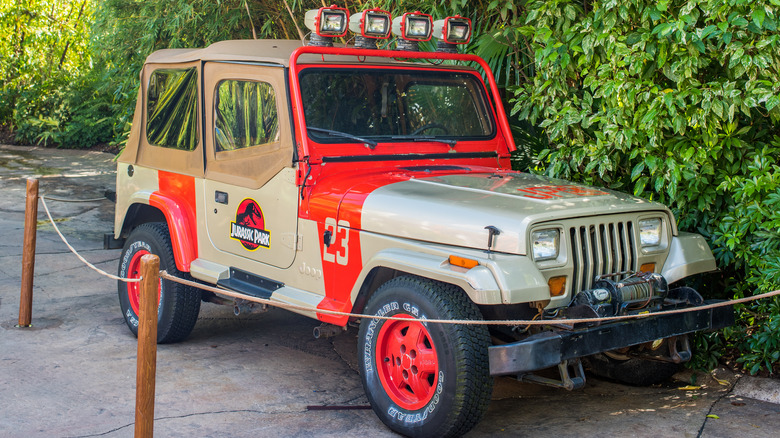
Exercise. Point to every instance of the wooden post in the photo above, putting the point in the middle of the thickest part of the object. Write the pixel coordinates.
(28, 253)
(146, 366)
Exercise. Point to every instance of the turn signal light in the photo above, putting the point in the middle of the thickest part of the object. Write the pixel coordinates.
(647, 267)
(463, 262)
(557, 286)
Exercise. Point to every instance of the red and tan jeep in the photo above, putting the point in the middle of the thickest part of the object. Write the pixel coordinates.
(378, 181)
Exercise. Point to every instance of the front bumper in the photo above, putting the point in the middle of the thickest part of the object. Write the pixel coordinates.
(550, 348)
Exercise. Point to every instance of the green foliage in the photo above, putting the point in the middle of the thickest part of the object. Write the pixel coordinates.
(42, 50)
(676, 101)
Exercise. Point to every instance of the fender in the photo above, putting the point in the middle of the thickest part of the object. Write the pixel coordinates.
(478, 282)
(176, 199)
(502, 279)
(689, 254)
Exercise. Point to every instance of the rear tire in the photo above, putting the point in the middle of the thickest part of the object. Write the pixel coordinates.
(424, 379)
(178, 306)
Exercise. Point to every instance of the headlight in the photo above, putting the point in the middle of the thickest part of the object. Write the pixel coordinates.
(545, 244)
(650, 231)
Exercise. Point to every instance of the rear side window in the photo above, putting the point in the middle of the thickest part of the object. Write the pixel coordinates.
(172, 109)
(245, 115)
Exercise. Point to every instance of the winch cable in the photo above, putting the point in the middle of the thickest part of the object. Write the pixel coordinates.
(289, 306)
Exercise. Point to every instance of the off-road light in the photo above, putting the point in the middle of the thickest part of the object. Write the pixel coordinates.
(411, 28)
(650, 231)
(451, 31)
(373, 23)
(326, 23)
(368, 26)
(545, 244)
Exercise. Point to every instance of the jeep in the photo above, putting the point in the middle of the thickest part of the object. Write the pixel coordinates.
(378, 181)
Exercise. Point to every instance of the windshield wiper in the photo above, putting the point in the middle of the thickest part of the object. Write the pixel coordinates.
(447, 141)
(370, 143)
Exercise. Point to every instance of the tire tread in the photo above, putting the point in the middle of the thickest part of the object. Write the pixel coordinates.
(473, 374)
(186, 300)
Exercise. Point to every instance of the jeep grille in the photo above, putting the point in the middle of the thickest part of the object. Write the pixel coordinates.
(600, 249)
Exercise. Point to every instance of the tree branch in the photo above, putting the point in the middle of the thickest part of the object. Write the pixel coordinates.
(254, 34)
(292, 17)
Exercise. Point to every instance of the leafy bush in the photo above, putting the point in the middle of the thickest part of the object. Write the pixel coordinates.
(43, 49)
(675, 101)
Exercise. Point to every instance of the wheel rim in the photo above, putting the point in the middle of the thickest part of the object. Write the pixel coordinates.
(407, 363)
(134, 288)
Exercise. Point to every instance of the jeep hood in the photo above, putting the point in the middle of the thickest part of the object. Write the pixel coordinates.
(455, 209)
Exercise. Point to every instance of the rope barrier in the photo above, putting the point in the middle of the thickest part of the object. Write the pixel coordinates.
(73, 250)
(52, 198)
(288, 306)
(167, 276)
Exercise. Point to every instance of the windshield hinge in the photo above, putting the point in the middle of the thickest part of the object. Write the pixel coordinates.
(306, 177)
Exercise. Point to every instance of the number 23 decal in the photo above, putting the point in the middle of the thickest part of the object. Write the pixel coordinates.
(337, 250)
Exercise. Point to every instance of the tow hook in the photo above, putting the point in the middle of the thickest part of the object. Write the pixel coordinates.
(243, 306)
(326, 330)
(682, 352)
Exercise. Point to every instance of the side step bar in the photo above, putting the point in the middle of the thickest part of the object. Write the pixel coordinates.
(249, 284)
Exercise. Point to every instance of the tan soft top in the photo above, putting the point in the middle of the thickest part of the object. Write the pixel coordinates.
(268, 51)
(272, 51)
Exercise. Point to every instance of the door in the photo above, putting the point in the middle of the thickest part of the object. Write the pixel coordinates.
(250, 194)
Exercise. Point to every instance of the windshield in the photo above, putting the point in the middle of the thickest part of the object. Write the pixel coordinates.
(394, 105)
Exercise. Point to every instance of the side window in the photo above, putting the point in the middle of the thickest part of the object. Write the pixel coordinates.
(244, 115)
(172, 109)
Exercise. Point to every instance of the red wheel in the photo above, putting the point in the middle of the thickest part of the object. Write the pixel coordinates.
(409, 367)
(134, 289)
(177, 305)
(424, 379)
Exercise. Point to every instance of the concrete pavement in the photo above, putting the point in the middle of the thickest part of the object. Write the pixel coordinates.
(73, 373)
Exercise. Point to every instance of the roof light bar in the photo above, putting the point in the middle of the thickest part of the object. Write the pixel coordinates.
(326, 23)
(369, 26)
(411, 28)
(451, 31)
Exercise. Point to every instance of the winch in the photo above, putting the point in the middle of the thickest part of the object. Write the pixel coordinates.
(636, 291)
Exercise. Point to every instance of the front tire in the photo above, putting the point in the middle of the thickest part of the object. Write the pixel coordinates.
(178, 305)
(424, 379)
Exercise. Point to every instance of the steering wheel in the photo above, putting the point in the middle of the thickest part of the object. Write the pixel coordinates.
(428, 126)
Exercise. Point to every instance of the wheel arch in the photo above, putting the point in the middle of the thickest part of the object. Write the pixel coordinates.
(380, 275)
(137, 214)
(478, 283)
(184, 249)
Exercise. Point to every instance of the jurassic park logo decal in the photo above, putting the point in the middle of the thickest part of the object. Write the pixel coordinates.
(557, 192)
(249, 227)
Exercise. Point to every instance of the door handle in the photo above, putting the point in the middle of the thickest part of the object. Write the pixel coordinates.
(220, 197)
